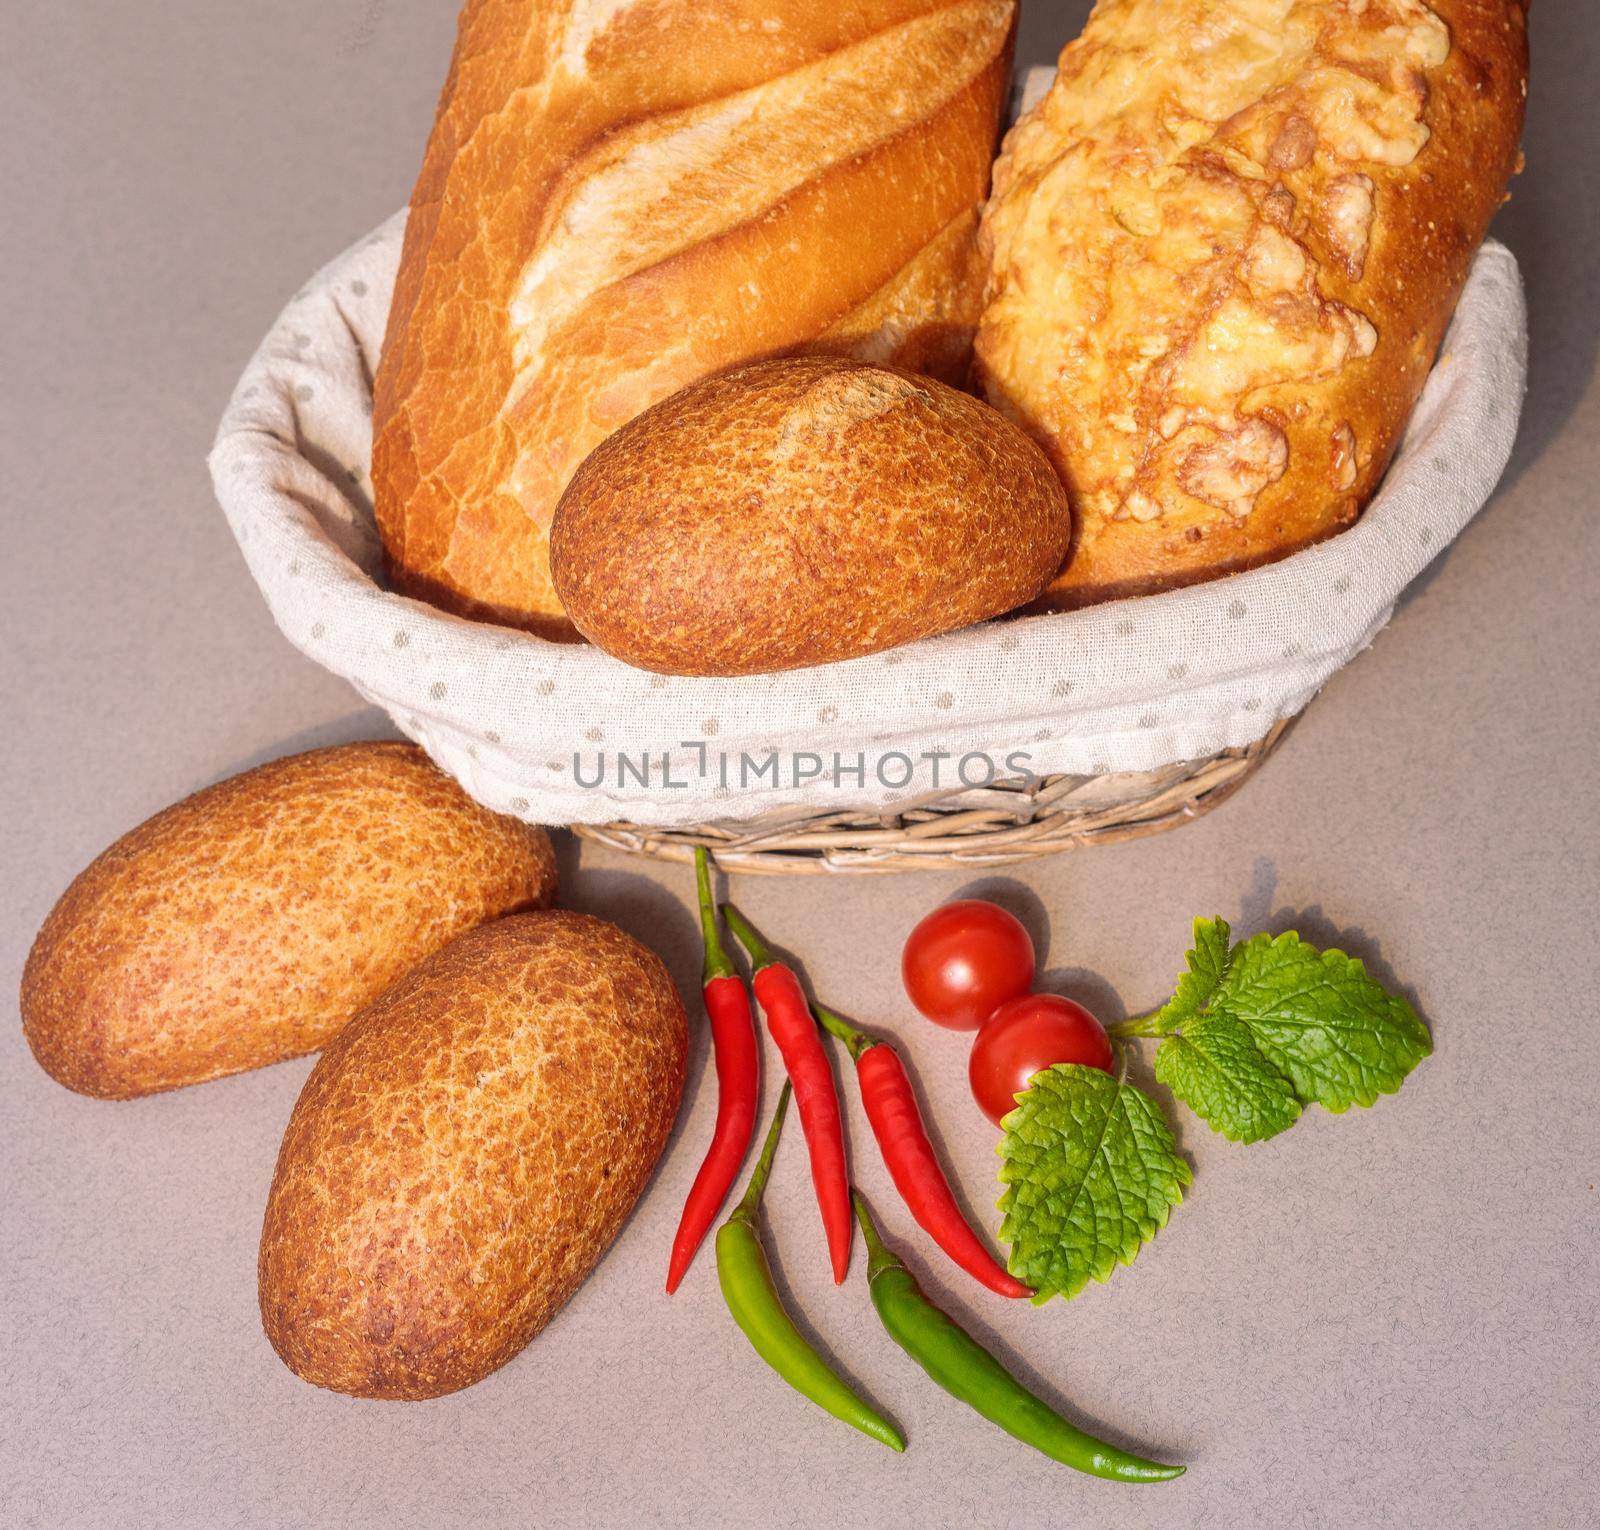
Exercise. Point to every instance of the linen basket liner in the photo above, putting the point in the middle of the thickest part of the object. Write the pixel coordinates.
(1131, 685)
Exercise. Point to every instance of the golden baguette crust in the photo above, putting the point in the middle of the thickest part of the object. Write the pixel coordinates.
(1224, 249)
(250, 921)
(621, 196)
(464, 1152)
(799, 511)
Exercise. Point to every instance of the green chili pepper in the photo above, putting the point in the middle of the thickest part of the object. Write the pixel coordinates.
(966, 1370)
(753, 1300)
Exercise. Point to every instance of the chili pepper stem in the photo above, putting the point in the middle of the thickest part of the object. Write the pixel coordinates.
(760, 953)
(856, 1042)
(717, 961)
(751, 1203)
(880, 1256)
(1137, 1025)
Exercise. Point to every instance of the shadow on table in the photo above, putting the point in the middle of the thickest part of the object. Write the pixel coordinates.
(1551, 224)
(367, 724)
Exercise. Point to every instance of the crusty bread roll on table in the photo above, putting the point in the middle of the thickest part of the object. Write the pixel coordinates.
(622, 196)
(1225, 248)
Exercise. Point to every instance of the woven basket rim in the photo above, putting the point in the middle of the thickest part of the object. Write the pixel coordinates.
(946, 837)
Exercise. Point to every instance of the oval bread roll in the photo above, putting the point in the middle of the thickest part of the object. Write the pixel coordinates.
(464, 1152)
(621, 196)
(796, 512)
(1224, 250)
(250, 921)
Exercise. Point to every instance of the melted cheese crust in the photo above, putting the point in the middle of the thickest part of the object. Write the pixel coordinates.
(1167, 231)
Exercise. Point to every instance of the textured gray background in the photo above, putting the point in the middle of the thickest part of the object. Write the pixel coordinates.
(1381, 1319)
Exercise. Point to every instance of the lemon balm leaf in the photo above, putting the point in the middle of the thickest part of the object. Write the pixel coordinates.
(1317, 1016)
(1090, 1175)
(1273, 1024)
(1215, 1067)
(1208, 962)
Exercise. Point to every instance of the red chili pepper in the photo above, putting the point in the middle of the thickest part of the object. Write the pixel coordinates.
(733, 1038)
(891, 1106)
(805, 1058)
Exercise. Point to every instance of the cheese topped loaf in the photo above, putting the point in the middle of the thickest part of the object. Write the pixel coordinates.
(1223, 250)
(622, 196)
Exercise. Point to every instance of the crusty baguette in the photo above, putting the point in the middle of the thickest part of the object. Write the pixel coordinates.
(250, 921)
(465, 1151)
(621, 196)
(800, 511)
(1224, 249)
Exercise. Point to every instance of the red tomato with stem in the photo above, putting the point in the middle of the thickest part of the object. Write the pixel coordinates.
(1025, 1036)
(964, 960)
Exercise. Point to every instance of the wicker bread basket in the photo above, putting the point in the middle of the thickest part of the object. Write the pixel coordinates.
(1136, 715)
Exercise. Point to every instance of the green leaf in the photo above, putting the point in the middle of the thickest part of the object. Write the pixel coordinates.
(1275, 1024)
(1216, 1068)
(1337, 1034)
(1090, 1174)
(1208, 967)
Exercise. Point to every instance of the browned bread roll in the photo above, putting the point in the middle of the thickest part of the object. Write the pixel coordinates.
(250, 921)
(1224, 249)
(464, 1152)
(798, 511)
(621, 196)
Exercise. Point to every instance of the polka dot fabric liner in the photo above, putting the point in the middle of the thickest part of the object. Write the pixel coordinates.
(1127, 686)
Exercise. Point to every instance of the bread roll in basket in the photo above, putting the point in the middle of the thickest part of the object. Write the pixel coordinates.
(985, 746)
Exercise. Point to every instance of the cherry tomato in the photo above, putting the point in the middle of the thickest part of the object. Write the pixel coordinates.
(1025, 1036)
(965, 960)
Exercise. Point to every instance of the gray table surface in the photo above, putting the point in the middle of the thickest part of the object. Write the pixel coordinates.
(1387, 1318)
